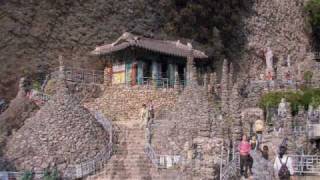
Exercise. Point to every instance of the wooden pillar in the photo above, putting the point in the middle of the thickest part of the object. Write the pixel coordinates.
(176, 81)
(191, 70)
(172, 71)
(128, 72)
(184, 76)
(134, 74)
(140, 72)
(108, 75)
(155, 73)
(155, 70)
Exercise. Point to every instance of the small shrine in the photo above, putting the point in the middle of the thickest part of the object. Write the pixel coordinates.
(136, 60)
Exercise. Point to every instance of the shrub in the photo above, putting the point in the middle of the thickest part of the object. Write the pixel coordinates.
(28, 175)
(307, 76)
(36, 85)
(51, 175)
(300, 98)
(50, 88)
(313, 8)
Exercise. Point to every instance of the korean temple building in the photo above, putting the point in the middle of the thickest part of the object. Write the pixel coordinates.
(137, 60)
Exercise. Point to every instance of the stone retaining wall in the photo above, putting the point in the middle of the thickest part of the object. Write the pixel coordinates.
(121, 103)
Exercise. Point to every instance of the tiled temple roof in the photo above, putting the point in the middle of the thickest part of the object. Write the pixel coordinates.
(162, 46)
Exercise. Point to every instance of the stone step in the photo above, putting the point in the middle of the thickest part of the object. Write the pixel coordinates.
(128, 168)
(129, 150)
(130, 154)
(130, 160)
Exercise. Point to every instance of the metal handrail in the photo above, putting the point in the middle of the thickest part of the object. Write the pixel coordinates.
(157, 82)
(229, 167)
(90, 166)
(306, 164)
(86, 168)
(81, 75)
(38, 97)
(160, 161)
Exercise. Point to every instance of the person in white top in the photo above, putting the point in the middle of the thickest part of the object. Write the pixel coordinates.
(287, 172)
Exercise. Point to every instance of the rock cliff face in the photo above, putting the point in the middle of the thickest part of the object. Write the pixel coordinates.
(33, 33)
(280, 24)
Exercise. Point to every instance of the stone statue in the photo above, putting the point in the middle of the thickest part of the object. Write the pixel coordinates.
(301, 110)
(22, 90)
(282, 108)
(310, 110)
(269, 58)
(313, 114)
(22, 83)
(288, 61)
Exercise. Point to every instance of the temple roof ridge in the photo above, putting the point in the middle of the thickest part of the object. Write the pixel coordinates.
(163, 46)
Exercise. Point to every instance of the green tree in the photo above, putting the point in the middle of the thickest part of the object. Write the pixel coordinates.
(214, 23)
(28, 175)
(313, 8)
(296, 99)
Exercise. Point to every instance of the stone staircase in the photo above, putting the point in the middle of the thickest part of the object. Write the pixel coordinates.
(128, 160)
(262, 169)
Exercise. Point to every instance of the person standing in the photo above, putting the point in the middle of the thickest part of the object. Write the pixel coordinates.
(144, 116)
(151, 110)
(265, 152)
(253, 142)
(283, 165)
(259, 127)
(244, 149)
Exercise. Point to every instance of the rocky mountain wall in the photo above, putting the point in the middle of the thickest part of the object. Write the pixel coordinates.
(33, 33)
(280, 24)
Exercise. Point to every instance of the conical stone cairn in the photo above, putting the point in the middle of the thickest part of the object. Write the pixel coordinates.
(61, 134)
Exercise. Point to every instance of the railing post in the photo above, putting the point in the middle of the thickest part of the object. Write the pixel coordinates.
(221, 161)
(92, 77)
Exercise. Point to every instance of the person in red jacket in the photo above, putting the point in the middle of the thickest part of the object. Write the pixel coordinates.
(244, 149)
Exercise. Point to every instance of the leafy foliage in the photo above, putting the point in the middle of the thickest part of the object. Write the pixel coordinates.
(313, 8)
(212, 22)
(51, 175)
(307, 76)
(300, 98)
(36, 85)
(27, 175)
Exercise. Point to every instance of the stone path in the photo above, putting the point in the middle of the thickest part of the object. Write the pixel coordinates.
(263, 169)
(128, 160)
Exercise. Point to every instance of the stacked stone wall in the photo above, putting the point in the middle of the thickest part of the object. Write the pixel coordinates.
(281, 25)
(121, 103)
(186, 130)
